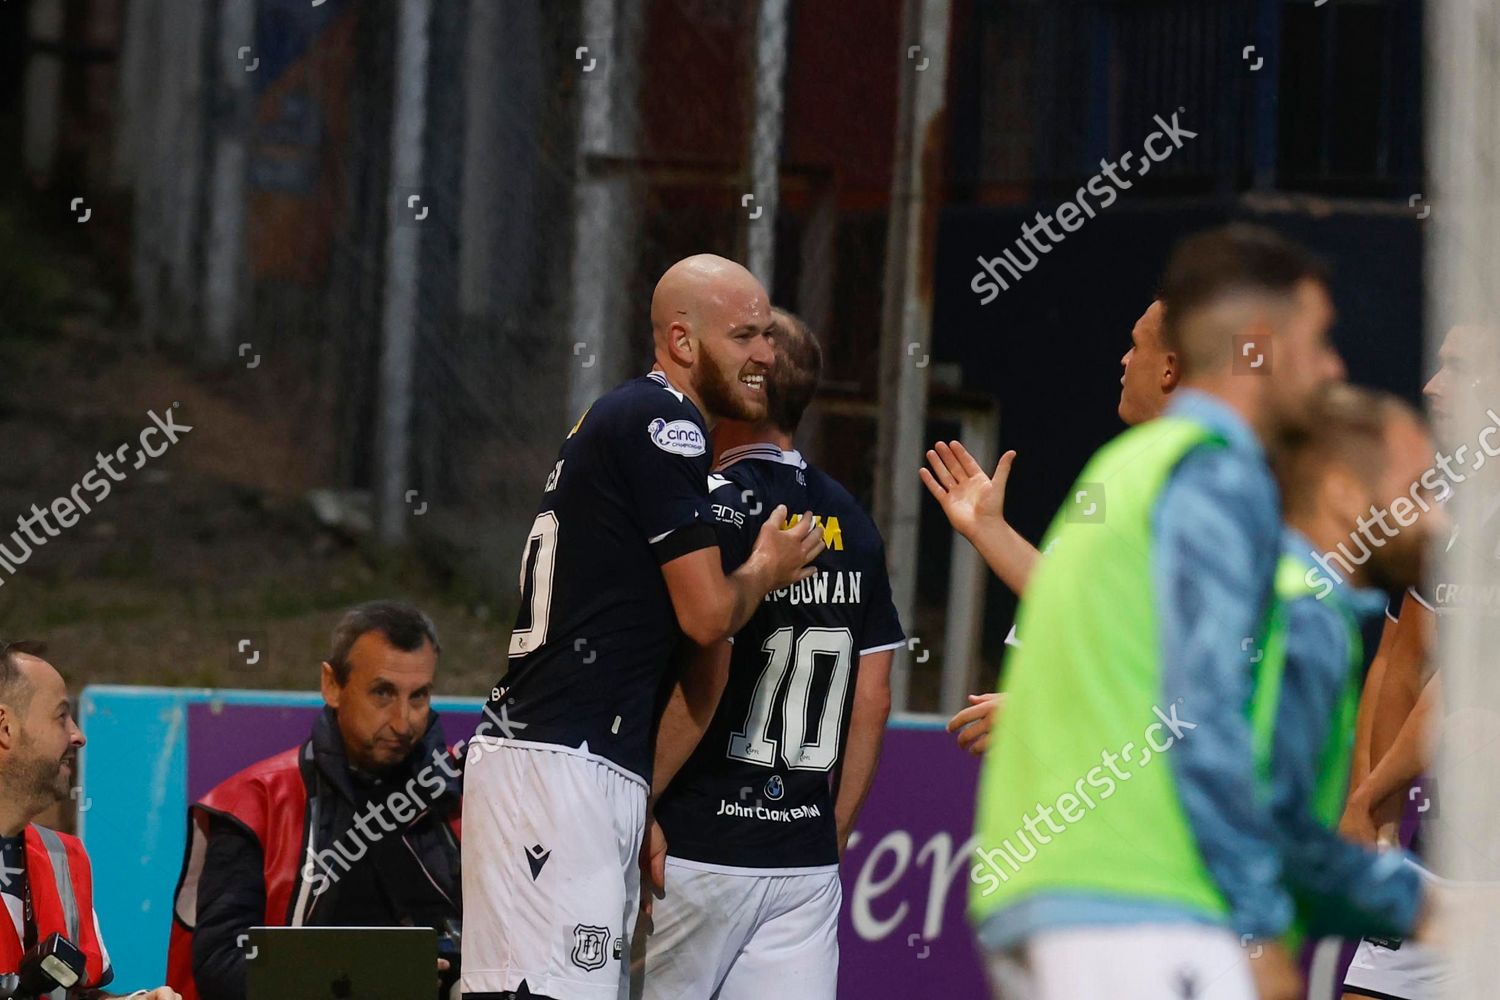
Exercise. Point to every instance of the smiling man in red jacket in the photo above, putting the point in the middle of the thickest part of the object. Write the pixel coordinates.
(46, 881)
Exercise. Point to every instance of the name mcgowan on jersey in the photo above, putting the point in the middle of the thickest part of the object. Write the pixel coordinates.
(838, 587)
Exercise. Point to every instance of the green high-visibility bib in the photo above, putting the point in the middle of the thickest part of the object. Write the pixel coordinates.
(1336, 758)
(1086, 683)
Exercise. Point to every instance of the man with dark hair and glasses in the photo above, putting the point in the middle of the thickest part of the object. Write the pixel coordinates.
(46, 880)
(358, 826)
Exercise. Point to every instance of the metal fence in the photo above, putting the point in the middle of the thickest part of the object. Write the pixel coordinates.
(423, 233)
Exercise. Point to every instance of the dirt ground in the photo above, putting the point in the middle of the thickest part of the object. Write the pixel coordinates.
(211, 547)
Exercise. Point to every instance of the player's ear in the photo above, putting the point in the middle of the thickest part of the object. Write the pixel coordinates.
(1170, 373)
(681, 344)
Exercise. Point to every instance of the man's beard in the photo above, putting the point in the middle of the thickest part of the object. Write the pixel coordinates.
(719, 395)
(36, 779)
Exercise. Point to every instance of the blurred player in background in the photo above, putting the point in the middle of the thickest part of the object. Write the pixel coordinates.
(757, 819)
(975, 502)
(1402, 714)
(976, 505)
(1362, 451)
(1133, 631)
(621, 563)
(1342, 889)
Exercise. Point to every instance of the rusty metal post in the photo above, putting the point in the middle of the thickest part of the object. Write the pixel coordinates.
(906, 324)
(765, 139)
(606, 202)
(402, 272)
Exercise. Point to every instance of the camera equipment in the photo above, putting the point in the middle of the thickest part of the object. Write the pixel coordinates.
(54, 963)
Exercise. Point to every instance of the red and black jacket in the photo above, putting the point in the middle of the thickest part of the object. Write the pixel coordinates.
(295, 806)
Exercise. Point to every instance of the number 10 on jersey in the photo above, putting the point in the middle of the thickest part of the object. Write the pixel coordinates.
(753, 743)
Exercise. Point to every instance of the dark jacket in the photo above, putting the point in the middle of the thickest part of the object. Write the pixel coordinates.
(254, 835)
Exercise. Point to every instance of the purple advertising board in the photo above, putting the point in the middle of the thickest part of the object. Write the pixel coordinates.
(223, 739)
(902, 933)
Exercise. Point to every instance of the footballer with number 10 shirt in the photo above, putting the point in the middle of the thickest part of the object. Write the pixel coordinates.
(756, 820)
(621, 563)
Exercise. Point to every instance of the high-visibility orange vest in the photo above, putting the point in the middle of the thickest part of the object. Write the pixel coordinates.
(61, 883)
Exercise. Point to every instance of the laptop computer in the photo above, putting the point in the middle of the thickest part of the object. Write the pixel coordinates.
(341, 963)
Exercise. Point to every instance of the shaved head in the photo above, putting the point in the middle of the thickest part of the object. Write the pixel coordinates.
(697, 285)
(1150, 369)
(710, 323)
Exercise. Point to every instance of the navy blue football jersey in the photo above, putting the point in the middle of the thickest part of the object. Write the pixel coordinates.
(1450, 596)
(756, 793)
(1445, 597)
(596, 630)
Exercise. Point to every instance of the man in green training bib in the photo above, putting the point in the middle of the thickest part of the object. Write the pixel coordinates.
(1363, 451)
(1108, 866)
(1358, 462)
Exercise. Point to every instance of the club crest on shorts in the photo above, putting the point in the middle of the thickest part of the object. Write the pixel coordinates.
(775, 788)
(589, 944)
(680, 437)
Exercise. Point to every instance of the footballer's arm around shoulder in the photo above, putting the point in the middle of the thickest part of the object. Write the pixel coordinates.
(703, 673)
(711, 605)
